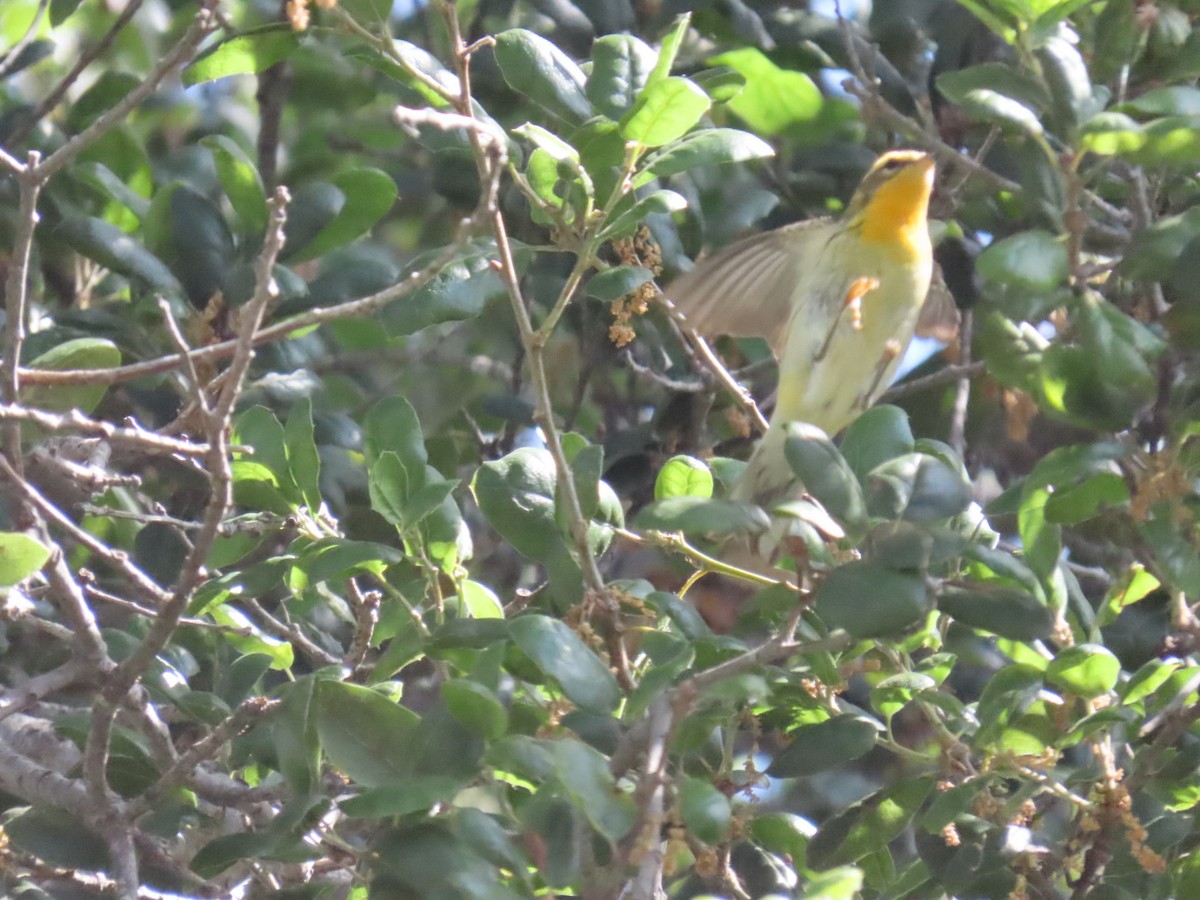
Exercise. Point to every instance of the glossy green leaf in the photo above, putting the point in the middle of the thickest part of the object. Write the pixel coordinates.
(369, 194)
(694, 514)
(241, 182)
(815, 748)
(868, 600)
(1000, 77)
(617, 282)
(774, 100)
(459, 291)
(621, 66)
(303, 461)
(869, 825)
(537, 69)
(633, 211)
(706, 811)
(116, 251)
(583, 773)
(683, 476)
(824, 472)
(476, 707)
(916, 487)
(708, 147)
(1086, 670)
(1031, 261)
(1003, 611)
(559, 653)
(78, 353)
(365, 734)
(20, 556)
(665, 111)
(246, 54)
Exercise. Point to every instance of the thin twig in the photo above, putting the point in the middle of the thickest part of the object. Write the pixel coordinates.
(131, 435)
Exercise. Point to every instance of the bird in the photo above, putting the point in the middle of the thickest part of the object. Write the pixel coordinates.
(837, 299)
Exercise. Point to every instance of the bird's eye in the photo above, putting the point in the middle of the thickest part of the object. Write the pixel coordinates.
(892, 165)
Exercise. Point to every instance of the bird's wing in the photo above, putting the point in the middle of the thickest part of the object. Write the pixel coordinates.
(939, 316)
(746, 289)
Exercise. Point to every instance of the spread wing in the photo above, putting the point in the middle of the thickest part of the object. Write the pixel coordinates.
(746, 289)
(939, 316)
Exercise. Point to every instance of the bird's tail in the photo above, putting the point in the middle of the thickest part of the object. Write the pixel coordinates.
(767, 476)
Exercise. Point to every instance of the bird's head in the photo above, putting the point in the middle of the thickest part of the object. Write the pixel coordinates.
(892, 199)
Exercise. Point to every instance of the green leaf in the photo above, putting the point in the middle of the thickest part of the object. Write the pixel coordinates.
(392, 424)
(1174, 100)
(880, 434)
(621, 66)
(1155, 249)
(918, 488)
(258, 428)
(246, 637)
(1042, 540)
(868, 600)
(20, 557)
(1034, 261)
(1012, 116)
(365, 734)
(369, 12)
(867, 826)
(824, 745)
(631, 212)
(617, 282)
(584, 776)
(996, 76)
(700, 515)
(247, 54)
(1112, 134)
(665, 111)
(516, 495)
(459, 291)
(559, 653)
(415, 795)
(241, 182)
(669, 48)
(709, 147)
(187, 231)
(79, 353)
(1066, 74)
(1003, 611)
(706, 811)
(303, 461)
(294, 734)
(116, 251)
(110, 185)
(535, 68)
(369, 193)
(476, 707)
(683, 476)
(774, 100)
(824, 472)
(1085, 670)
(56, 837)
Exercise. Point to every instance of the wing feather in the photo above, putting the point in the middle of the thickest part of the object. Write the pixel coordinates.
(939, 316)
(746, 289)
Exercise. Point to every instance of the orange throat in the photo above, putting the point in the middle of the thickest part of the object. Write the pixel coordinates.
(896, 214)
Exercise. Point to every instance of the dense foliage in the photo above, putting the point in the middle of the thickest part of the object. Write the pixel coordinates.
(365, 526)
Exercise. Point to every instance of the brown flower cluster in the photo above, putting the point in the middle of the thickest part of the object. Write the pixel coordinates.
(639, 250)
